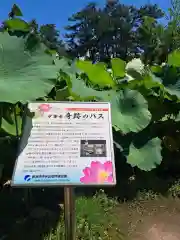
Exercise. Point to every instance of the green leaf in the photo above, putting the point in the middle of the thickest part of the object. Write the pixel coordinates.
(174, 58)
(62, 94)
(147, 157)
(24, 76)
(160, 108)
(146, 84)
(173, 89)
(171, 81)
(16, 11)
(118, 67)
(129, 110)
(78, 88)
(62, 63)
(10, 128)
(17, 24)
(97, 73)
(156, 69)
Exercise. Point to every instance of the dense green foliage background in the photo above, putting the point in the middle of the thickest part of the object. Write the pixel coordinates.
(117, 53)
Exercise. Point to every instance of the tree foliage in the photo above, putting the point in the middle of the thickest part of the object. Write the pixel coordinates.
(111, 31)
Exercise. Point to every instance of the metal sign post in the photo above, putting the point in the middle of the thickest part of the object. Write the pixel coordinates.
(69, 213)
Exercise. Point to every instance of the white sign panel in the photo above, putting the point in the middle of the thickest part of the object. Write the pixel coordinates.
(66, 143)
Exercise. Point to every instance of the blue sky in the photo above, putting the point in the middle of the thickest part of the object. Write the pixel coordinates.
(58, 11)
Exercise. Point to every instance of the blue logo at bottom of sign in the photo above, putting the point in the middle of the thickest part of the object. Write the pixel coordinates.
(27, 178)
(46, 178)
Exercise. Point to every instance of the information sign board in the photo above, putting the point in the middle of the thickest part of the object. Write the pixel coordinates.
(66, 143)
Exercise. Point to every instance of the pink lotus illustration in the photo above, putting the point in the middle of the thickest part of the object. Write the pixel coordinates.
(44, 107)
(98, 173)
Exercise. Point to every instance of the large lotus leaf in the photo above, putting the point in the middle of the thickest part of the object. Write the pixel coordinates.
(118, 67)
(97, 73)
(147, 157)
(174, 58)
(79, 89)
(76, 85)
(24, 76)
(129, 110)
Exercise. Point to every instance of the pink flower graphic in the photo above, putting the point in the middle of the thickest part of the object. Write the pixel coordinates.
(98, 173)
(44, 107)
